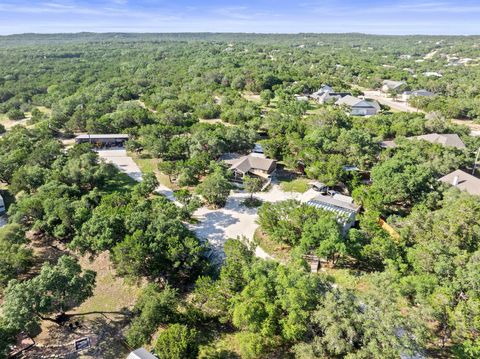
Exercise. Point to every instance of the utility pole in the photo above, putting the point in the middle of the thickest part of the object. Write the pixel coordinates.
(476, 161)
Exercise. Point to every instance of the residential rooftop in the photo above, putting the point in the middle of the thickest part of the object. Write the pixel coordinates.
(463, 181)
(447, 139)
(102, 136)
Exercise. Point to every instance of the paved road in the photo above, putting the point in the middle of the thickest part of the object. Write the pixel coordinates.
(400, 106)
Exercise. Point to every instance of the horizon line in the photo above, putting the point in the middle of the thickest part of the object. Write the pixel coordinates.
(233, 32)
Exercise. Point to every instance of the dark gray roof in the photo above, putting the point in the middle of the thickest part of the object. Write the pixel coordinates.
(463, 181)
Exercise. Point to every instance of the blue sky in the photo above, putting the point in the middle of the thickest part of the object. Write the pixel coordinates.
(268, 16)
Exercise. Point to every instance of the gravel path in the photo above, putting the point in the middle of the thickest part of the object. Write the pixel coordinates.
(237, 221)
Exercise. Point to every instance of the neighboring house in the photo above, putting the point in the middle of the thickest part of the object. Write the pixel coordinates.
(359, 107)
(2, 205)
(141, 353)
(447, 139)
(258, 151)
(463, 181)
(324, 89)
(252, 165)
(110, 140)
(327, 95)
(389, 85)
(341, 205)
(331, 97)
(406, 95)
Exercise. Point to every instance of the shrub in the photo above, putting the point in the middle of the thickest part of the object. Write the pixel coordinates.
(15, 114)
(177, 342)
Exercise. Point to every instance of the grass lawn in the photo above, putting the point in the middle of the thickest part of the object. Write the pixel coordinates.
(148, 164)
(224, 345)
(297, 185)
(111, 293)
(348, 279)
(280, 252)
(120, 183)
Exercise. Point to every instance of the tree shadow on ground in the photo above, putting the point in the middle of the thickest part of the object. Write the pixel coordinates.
(104, 330)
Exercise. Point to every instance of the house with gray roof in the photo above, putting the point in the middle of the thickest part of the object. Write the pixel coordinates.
(263, 168)
(359, 107)
(444, 139)
(463, 181)
(341, 205)
(327, 95)
(390, 85)
(331, 97)
(407, 95)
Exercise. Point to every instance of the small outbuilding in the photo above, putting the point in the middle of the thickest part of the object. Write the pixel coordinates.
(141, 353)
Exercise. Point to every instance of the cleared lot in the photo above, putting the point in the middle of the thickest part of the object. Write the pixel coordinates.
(215, 225)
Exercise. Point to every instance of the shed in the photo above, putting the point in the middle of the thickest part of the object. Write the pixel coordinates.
(141, 353)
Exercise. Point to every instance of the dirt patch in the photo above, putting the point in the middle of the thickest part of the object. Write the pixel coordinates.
(250, 96)
(278, 251)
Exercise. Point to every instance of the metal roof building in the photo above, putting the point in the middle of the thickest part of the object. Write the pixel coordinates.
(141, 353)
(342, 206)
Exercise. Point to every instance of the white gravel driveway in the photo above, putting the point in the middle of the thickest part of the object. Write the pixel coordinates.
(237, 221)
(119, 158)
(216, 226)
